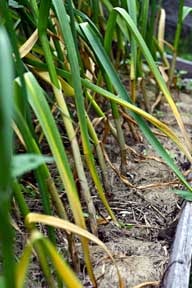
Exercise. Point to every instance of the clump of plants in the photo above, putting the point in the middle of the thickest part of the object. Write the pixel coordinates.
(60, 63)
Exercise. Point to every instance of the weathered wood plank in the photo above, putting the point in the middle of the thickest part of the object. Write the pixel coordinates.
(178, 270)
(182, 64)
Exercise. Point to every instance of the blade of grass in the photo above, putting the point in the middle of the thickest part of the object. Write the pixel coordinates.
(5, 13)
(23, 207)
(72, 24)
(28, 45)
(21, 268)
(43, 171)
(40, 174)
(116, 116)
(25, 162)
(42, 28)
(95, 11)
(6, 96)
(62, 268)
(132, 9)
(151, 27)
(161, 29)
(176, 40)
(143, 19)
(100, 156)
(56, 222)
(120, 23)
(186, 11)
(34, 7)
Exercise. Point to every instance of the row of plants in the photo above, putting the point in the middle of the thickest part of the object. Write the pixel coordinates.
(62, 58)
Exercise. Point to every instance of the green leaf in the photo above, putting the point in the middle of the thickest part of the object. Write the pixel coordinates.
(187, 195)
(2, 282)
(126, 225)
(14, 4)
(62, 268)
(186, 11)
(24, 163)
(6, 146)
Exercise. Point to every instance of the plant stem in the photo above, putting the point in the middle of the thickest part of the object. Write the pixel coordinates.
(176, 40)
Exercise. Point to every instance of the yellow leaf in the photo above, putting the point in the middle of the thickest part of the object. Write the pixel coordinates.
(161, 28)
(28, 45)
(66, 225)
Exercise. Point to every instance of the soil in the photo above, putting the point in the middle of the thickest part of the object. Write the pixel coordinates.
(142, 251)
(148, 211)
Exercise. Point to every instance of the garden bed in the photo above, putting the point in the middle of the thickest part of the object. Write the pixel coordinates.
(84, 91)
(148, 211)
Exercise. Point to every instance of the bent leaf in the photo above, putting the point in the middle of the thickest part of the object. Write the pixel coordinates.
(186, 11)
(70, 227)
(62, 268)
(187, 195)
(23, 163)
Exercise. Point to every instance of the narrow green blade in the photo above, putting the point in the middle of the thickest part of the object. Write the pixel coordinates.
(6, 144)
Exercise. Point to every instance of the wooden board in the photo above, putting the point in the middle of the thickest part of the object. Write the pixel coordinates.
(178, 270)
(182, 64)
